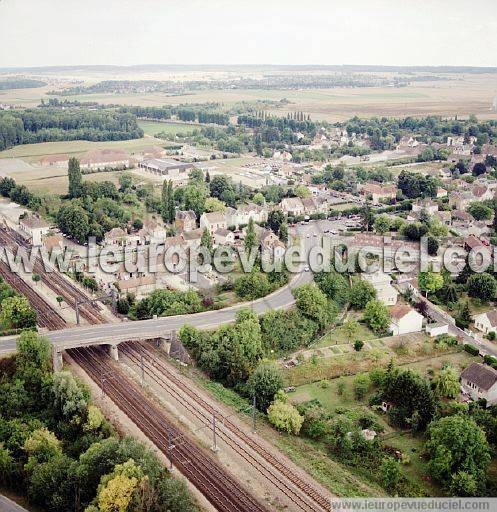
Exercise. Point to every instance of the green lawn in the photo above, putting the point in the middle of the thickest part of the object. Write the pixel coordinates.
(338, 336)
(153, 127)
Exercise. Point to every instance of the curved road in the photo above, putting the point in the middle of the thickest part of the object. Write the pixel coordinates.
(143, 329)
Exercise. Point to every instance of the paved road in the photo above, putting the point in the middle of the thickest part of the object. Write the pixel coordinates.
(142, 329)
(7, 505)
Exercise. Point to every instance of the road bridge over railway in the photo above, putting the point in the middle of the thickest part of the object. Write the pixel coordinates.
(114, 334)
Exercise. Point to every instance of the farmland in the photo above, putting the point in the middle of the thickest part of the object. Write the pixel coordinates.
(460, 95)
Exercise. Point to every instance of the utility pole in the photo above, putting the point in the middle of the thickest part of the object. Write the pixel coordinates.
(253, 414)
(214, 447)
(77, 312)
(170, 448)
(142, 370)
(102, 385)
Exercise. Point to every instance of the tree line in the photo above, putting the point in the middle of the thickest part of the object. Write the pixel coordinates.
(52, 124)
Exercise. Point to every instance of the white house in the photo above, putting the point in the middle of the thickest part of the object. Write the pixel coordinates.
(382, 283)
(33, 228)
(486, 322)
(242, 215)
(425, 205)
(292, 206)
(224, 237)
(480, 381)
(213, 221)
(405, 320)
(437, 329)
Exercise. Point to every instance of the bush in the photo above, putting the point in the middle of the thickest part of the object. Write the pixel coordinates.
(284, 416)
(491, 361)
(471, 349)
(492, 335)
(358, 344)
(361, 386)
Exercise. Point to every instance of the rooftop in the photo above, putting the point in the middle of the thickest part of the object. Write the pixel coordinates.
(481, 375)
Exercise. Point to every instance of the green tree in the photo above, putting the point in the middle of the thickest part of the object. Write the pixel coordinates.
(212, 204)
(302, 191)
(312, 302)
(167, 203)
(382, 224)
(390, 473)
(447, 383)
(250, 240)
(252, 285)
(194, 197)
(430, 282)
(456, 443)
(377, 316)
(463, 318)
(482, 286)
(479, 211)
(73, 220)
(361, 385)
(264, 383)
(75, 178)
(285, 416)
(350, 328)
(17, 313)
(258, 199)
(361, 293)
(206, 240)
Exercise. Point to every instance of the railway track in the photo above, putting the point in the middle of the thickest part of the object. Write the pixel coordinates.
(54, 280)
(220, 488)
(302, 494)
(47, 316)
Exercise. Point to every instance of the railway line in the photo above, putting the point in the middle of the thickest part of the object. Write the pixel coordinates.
(223, 491)
(54, 280)
(302, 494)
(47, 316)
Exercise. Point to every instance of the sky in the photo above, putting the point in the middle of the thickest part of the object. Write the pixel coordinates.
(128, 32)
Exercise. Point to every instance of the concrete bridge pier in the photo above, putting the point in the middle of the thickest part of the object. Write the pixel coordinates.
(57, 362)
(166, 340)
(114, 352)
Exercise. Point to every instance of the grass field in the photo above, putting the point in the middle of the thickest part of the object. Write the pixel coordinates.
(457, 95)
(335, 401)
(33, 152)
(153, 127)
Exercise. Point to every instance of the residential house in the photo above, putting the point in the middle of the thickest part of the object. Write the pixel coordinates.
(461, 200)
(185, 220)
(441, 192)
(425, 205)
(405, 320)
(480, 381)
(486, 322)
(193, 238)
(119, 237)
(224, 237)
(33, 228)
(212, 221)
(382, 283)
(292, 206)
(139, 286)
(242, 214)
(153, 232)
(378, 193)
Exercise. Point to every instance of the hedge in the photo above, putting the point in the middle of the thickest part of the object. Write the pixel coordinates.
(471, 349)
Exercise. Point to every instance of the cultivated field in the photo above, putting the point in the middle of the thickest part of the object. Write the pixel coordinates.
(460, 94)
(33, 152)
